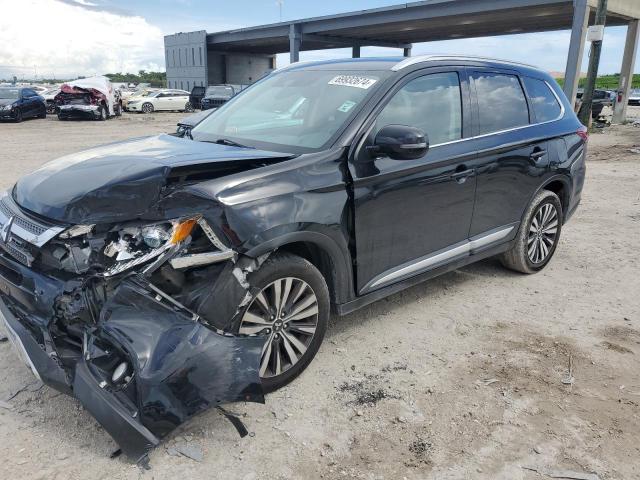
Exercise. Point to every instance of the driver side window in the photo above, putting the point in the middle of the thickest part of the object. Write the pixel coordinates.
(432, 103)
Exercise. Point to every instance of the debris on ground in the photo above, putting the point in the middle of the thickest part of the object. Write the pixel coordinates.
(568, 379)
(181, 449)
(3, 338)
(564, 474)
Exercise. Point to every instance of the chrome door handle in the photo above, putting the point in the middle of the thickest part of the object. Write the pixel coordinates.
(462, 176)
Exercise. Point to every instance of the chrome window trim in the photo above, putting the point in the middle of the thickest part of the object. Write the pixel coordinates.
(427, 262)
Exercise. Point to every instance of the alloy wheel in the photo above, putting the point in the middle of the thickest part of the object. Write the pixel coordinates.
(286, 312)
(543, 232)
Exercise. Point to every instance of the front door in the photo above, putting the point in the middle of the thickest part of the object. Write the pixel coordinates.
(413, 215)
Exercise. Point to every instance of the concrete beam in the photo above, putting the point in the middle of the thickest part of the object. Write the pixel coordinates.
(352, 42)
(407, 51)
(626, 72)
(295, 41)
(581, 12)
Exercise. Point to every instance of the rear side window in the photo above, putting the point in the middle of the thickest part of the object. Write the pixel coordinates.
(501, 102)
(544, 103)
(431, 103)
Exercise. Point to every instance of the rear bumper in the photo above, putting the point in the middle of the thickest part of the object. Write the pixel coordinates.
(79, 111)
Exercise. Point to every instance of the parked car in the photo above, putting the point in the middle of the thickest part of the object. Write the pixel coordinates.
(601, 99)
(91, 98)
(186, 124)
(157, 277)
(218, 95)
(49, 99)
(18, 103)
(196, 96)
(634, 97)
(136, 95)
(177, 100)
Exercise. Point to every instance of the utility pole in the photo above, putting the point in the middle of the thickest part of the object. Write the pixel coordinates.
(594, 60)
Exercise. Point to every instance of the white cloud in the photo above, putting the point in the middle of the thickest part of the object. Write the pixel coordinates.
(66, 39)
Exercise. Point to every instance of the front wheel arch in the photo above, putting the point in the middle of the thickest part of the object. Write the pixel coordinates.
(321, 251)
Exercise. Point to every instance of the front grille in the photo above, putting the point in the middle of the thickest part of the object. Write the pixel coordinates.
(16, 252)
(10, 209)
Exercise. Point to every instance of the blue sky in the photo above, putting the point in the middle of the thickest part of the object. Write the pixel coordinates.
(98, 36)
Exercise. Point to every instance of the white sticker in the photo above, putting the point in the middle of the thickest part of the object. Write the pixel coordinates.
(346, 106)
(353, 81)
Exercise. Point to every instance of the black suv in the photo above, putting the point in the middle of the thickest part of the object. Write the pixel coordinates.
(157, 277)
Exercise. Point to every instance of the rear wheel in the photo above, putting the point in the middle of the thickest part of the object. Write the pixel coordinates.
(102, 113)
(147, 108)
(188, 107)
(291, 311)
(538, 235)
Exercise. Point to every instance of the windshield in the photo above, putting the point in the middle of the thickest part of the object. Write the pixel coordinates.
(10, 93)
(226, 91)
(291, 111)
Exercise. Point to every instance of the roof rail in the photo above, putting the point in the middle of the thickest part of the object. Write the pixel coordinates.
(427, 58)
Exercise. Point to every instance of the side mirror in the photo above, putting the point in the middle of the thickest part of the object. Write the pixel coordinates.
(400, 142)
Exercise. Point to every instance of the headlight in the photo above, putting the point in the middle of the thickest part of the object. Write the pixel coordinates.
(6, 107)
(139, 244)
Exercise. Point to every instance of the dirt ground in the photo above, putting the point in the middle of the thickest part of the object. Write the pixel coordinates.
(458, 378)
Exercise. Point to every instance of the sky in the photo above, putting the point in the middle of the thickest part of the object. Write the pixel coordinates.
(67, 38)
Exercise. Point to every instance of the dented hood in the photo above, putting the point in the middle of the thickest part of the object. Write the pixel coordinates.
(122, 181)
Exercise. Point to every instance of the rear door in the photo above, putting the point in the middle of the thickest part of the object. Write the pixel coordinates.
(513, 154)
(411, 214)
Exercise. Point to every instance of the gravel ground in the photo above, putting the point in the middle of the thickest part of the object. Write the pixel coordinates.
(457, 378)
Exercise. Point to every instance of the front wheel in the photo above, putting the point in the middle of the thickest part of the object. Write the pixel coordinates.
(291, 311)
(18, 118)
(147, 108)
(538, 235)
(188, 107)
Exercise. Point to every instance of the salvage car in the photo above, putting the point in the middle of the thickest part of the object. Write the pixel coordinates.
(160, 276)
(634, 97)
(88, 98)
(218, 95)
(50, 99)
(18, 103)
(166, 99)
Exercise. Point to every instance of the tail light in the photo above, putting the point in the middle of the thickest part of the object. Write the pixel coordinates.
(583, 133)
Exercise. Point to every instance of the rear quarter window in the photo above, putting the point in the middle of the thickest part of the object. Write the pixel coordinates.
(501, 102)
(544, 103)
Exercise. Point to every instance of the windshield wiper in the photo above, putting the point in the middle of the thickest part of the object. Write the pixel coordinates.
(231, 143)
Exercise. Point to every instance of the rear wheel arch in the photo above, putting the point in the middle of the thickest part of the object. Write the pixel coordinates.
(323, 253)
(559, 186)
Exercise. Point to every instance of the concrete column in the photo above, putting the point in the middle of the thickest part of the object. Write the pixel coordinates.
(295, 41)
(576, 49)
(407, 51)
(626, 72)
(355, 52)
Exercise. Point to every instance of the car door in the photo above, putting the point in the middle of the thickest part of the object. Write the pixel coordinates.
(162, 101)
(411, 215)
(28, 103)
(513, 155)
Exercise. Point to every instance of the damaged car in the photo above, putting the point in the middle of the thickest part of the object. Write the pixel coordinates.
(88, 98)
(157, 277)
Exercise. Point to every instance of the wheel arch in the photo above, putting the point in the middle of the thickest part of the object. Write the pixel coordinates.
(561, 186)
(321, 251)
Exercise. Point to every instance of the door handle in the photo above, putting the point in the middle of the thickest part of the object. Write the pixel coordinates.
(462, 176)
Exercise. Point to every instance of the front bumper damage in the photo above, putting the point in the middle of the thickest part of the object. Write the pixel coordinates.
(177, 364)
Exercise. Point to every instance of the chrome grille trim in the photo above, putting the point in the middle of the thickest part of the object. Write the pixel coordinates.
(27, 228)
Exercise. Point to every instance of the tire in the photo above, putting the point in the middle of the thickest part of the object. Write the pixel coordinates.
(117, 110)
(61, 118)
(538, 235)
(286, 269)
(43, 113)
(188, 108)
(147, 107)
(18, 118)
(102, 113)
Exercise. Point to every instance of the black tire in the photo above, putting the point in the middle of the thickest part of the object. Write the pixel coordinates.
(117, 110)
(18, 118)
(147, 108)
(188, 107)
(531, 234)
(102, 113)
(282, 266)
(43, 113)
(61, 118)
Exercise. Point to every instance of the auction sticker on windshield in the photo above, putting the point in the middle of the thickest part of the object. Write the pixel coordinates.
(352, 81)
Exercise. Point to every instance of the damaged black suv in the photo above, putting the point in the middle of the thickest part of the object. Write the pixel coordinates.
(160, 276)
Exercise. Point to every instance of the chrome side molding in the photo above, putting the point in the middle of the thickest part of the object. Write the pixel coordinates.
(423, 264)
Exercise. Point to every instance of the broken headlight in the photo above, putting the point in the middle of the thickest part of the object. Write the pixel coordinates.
(135, 245)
